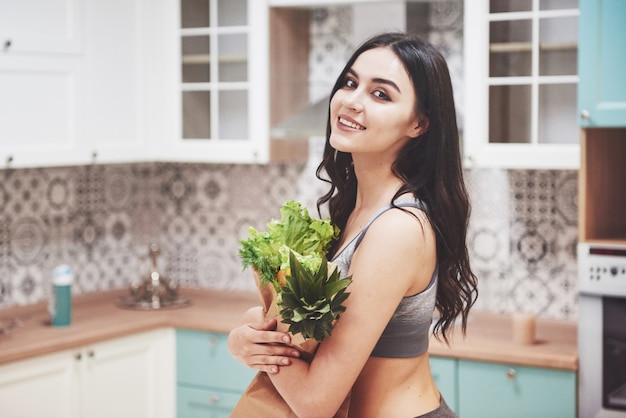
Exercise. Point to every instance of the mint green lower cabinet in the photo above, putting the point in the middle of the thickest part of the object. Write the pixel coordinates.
(210, 383)
(499, 390)
(209, 380)
(445, 372)
(204, 403)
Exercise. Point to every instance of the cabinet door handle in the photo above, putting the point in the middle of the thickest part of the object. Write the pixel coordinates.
(213, 399)
(7, 44)
(78, 356)
(584, 114)
(510, 374)
(91, 353)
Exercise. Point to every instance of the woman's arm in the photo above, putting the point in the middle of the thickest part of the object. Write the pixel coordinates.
(256, 344)
(396, 258)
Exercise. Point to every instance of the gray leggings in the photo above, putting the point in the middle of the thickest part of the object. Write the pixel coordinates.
(442, 411)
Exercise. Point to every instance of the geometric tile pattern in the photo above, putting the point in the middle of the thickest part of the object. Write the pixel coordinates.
(101, 219)
(523, 238)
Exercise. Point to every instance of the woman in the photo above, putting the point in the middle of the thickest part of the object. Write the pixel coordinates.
(396, 191)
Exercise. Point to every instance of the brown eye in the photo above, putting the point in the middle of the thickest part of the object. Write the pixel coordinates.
(350, 83)
(381, 95)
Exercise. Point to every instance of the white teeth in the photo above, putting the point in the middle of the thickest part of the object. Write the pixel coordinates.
(350, 124)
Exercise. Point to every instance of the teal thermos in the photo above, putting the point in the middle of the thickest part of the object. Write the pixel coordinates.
(61, 300)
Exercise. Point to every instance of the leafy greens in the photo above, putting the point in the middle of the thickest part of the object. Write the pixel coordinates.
(308, 238)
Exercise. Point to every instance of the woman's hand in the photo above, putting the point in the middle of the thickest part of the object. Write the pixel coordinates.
(257, 345)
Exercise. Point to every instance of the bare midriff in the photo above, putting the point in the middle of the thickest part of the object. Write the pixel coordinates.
(394, 387)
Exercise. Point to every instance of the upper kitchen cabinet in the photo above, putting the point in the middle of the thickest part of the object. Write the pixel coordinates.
(39, 75)
(521, 84)
(41, 26)
(80, 90)
(221, 110)
(601, 63)
(117, 89)
(38, 110)
(602, 107)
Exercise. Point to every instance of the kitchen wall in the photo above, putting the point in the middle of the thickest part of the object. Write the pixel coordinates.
(100, 219)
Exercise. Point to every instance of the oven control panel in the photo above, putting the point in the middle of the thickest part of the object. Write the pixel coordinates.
(602, 269)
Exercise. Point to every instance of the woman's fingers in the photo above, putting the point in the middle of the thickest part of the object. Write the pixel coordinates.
(277, 356)
(258, 347)
(257, 344)
(264, 344)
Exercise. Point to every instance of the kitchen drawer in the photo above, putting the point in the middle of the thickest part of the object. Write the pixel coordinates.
(205, 403)
(499, 390)
(203, 360)
(445, 371)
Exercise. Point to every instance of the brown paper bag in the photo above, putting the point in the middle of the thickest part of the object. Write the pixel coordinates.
(261, 399)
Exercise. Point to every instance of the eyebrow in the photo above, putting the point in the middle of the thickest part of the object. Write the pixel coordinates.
(378, 80)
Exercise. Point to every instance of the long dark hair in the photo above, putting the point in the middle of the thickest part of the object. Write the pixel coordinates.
(430, 167)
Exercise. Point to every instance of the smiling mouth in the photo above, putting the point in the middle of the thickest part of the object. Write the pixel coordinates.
(351, 124)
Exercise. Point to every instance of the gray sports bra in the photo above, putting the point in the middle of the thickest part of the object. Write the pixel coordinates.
(407, 332)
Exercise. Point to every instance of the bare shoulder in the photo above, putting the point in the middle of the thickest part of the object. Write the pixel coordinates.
(403, 223)
(401, 242)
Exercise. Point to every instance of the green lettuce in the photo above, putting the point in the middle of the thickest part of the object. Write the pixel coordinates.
(268, 251)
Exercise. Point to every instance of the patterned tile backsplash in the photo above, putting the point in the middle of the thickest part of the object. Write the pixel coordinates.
(101, 219)
(523, 238)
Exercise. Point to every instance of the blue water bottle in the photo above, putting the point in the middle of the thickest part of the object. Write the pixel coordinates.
(61, 301)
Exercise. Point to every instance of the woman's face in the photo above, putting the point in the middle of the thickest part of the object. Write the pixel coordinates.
(374, 110)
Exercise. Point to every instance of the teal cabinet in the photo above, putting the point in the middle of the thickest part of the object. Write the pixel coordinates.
(445, 372)
(477, 389)
(209, 381)
(499, 390)
(601, 63)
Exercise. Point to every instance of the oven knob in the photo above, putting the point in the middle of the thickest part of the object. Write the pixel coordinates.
(614, 271)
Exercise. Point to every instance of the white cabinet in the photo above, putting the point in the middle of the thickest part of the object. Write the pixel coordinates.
(222, 83)
(112, 81)
(40, 46)
(115, 97)
(51, 380)
(521, 84)
(130, 376)
(38, 109)
(41, 26)
(90, 86)
(137, 372)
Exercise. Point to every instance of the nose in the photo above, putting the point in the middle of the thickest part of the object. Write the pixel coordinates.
(353, 100)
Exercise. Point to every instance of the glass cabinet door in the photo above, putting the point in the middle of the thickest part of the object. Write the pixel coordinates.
(214, 85)
(521, 82)
(532, 71)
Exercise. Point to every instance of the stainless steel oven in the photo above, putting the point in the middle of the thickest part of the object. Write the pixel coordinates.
(602, 331)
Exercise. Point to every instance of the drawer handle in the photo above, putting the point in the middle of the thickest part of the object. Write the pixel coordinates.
(78, 356)
(214, 399)
(510, 374)
(585, 115)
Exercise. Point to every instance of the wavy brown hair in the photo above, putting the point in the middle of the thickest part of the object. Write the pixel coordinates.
(430, 167)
